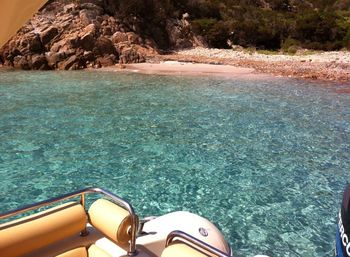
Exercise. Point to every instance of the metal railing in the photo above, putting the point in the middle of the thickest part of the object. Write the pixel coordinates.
(82, 193)
(200, 245)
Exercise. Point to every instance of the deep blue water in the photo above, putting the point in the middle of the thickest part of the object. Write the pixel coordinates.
(265, 160)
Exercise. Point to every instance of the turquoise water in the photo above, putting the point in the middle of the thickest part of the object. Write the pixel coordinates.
(266, 160)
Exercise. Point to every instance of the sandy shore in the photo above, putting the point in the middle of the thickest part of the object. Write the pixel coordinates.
(190, 68)
(327, 66)
(187, 68)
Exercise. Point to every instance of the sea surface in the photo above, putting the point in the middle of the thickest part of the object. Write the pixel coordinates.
(265, 159)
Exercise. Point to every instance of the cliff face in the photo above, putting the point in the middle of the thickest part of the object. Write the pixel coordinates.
(68, 36)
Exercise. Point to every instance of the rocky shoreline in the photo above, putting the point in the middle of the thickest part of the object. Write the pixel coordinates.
(83, 35)
(71, 37)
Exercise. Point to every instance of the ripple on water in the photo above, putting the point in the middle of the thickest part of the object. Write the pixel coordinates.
(265, 160)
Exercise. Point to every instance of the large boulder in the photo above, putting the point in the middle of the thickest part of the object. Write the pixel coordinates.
(64, 21)
(107, 60)
(89, 13)
(49, 34)
(130, 55)
(70, 41)
(133, 38)
(87, 37)
(58, 46)
(21, 62)
(88, 58)
(95, 2)
(107, 31)
(179, 33)
(85, 17)
(35, 44)
(68, 63)
(69, 8)
(99, 3)
(87, 42)
(39, 62)
(54, 58)
(104, 46)
(97, 10)
(29, 42)
(119, 37)
(15, 52)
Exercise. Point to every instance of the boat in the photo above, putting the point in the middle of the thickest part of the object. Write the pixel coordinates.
(77, 224)
(342, 237)
(72, 225)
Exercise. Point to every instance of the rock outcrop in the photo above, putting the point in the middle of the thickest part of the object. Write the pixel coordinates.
(74, 36)
(181, 35)
(81, 34)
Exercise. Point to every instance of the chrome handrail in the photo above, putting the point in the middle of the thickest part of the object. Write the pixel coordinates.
(196, 242)
(82, 193)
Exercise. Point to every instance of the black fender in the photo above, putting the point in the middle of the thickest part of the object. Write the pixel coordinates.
(342, 239)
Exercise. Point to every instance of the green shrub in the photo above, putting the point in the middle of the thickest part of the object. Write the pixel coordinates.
(250, 50)
(201, 26)
(346, 40)
(290, 45)
(264, 32)
(293, 49)
(320, 30)
(218, 35)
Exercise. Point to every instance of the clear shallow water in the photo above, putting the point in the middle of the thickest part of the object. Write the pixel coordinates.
(265, 160)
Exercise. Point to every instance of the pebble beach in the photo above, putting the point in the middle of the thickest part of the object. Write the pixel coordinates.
(329, 66)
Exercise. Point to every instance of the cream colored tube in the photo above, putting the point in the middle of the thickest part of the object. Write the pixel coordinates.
(13, 14)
